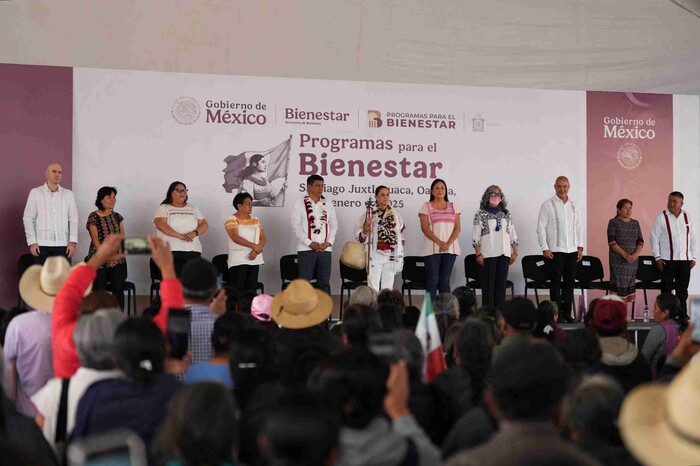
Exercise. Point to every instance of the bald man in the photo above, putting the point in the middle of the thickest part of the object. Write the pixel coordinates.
(560, 234)
(51, 218)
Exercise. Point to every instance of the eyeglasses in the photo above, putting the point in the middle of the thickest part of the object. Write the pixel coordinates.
(500, 196)
(181, 191)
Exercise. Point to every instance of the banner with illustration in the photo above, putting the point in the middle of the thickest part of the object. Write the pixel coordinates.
(630, 156)
(139, 131)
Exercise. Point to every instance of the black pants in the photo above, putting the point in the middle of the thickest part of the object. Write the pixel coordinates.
(676, 277)
(493, 275)
(180, 258)
(115, 276)
(244, 277)
(48, 251)
(563, 275)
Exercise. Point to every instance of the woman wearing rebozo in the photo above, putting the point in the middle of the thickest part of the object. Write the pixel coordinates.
(495, 244)
(440, 223)
(254, 181)
(381, 227)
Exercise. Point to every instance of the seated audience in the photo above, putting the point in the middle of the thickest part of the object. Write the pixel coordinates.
(518, 323)
(303, 342)
(591, 413)
(663, 338)
(28, 351)
(446, 308)
(547, 328)
(245, 301)
(227, 328)
(66, 309)
(200, 427)
(365, 295)
(450, 343)
(260, 310)
(621, 359)
(582, 352)
(467, 301)
(232, 298)
(137, 401)
(393, 297)
(492, 317)
(313, 441)
(359, 321)
(21, 441)
(390, 317)
(659, 422)
(94, 342)
(198, 277)
(359, 385)
(410, 318)
(527, 383)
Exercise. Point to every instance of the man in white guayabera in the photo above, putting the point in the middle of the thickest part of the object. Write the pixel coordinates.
(51, 218)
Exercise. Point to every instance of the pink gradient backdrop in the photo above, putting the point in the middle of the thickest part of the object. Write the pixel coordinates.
(36, 128)
(647, 185)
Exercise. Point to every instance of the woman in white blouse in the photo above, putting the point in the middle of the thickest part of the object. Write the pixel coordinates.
(181, 225)
(246, 240)
(495, 244)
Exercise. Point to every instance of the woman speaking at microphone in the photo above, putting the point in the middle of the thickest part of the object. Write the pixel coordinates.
(381, 228)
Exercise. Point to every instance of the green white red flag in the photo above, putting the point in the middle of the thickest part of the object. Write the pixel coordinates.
(429, 337)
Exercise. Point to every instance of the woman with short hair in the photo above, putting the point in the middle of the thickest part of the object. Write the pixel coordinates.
(246, 240)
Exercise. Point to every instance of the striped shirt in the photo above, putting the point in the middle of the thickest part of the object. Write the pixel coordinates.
(50, 219)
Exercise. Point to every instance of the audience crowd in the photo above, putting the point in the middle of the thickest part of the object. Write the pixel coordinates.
(266, 380)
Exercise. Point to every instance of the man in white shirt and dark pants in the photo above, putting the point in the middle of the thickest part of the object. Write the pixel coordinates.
(51, 218)
(560, 235)
(674, 246)
(315, 225)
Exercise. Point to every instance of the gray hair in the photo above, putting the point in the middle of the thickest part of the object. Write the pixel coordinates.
(364, 294)
(487, 194)
(94, 338)
(593, 407)
(446, 303)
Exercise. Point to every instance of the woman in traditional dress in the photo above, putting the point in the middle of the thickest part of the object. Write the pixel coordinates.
(246, 240)
(381, 228)
(254, 181)
(626, 244)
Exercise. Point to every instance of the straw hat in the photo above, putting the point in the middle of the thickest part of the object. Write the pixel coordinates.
(659, 423)
(40, 284)
(300, 306)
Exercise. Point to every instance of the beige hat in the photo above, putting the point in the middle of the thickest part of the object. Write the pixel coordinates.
(40, 284)
(659, 423)
(300, 306)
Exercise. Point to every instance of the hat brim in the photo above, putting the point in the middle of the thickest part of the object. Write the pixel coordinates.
(646, 431)
(31, 293)
(314, 317)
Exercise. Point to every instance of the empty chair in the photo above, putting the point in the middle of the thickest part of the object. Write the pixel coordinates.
(220, 261)
(156, 278)
(289, 270)
(589, 275)
(648, 277)
(413, 275)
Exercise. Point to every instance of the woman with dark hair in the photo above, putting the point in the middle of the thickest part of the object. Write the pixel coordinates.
(626, 243)
(663, 338)
(138, 400)
(440, 223)
(200, 427)
(254, 181)
(180, 224)
(246, 240)
(381, 228)
(495, 244)
(547, 328)
(100, 223)
(467, 301)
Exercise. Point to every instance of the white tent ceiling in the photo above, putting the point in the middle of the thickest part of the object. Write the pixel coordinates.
(635, 45)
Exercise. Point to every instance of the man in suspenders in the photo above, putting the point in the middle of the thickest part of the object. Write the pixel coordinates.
(674, 246)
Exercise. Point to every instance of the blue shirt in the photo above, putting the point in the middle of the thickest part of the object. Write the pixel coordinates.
(207, 371)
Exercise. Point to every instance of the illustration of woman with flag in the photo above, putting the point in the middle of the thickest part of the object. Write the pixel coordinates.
(381, 228)
(254, 181)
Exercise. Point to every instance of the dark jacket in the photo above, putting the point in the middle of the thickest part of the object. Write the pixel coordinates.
(298, 352)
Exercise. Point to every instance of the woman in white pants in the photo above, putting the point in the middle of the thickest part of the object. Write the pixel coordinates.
(381, 227)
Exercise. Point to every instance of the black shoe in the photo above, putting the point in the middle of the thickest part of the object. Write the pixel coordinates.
(567, 318)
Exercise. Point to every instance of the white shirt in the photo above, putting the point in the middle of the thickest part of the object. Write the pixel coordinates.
(48, 398)
(559, 226)
(683, 237)
(50, 219)
(300, 224)
(182, 220)
(495, 243)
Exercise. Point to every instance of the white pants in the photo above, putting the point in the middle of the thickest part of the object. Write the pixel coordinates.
(381, 272)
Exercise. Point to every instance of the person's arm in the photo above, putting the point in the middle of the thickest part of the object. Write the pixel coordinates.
(170, 287)
(693, 244)
(263, 239)
(296, 219)
(161, 224)
(578, 230)
(455, 232)
(612, 242)
(92, 229)
(640, 243)
(232, 230)
(363, 227)
(332, 225)
(655, 238)
(654, 341)
(513, 243)
(476, 239)
(72, 220)
(542, 220)
(403, 422)
(202, 226)
(29, 220)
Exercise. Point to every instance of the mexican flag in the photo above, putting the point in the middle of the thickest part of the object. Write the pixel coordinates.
(429, 337)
